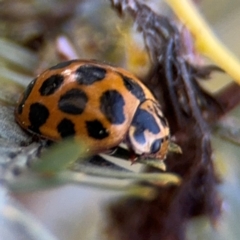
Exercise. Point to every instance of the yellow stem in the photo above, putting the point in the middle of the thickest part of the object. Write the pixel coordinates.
(205, 41)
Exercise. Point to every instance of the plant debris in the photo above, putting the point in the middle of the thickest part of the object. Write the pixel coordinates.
(189, 110)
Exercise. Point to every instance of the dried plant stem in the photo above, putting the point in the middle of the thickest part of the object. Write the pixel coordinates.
(205, 41)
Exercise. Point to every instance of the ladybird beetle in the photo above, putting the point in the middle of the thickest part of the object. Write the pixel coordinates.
(101, 104)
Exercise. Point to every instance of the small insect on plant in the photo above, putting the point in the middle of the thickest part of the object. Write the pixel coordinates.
(97, 103)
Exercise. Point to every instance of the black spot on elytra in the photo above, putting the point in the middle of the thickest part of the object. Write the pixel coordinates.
(96, 129)
(38, 115)
(62, 64)
(133, 87)
(112, 106)
(25, 95)
(143, 121)
(88, 74)
(156, 146)
(66, 128)
(73, 101)
(51, 85)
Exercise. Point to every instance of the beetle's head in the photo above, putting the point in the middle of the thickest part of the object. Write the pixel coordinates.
(148, 134)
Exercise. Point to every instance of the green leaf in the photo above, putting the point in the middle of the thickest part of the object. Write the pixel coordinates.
(173, 147)
(60, 156)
